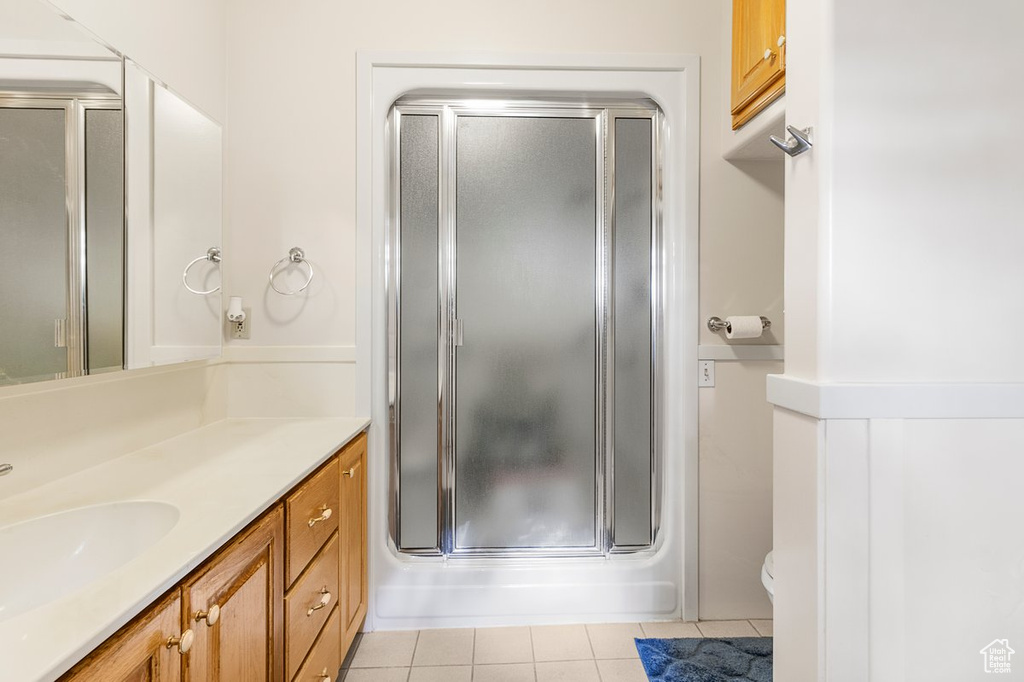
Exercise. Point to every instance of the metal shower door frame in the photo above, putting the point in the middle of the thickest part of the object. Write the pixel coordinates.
(448, 111)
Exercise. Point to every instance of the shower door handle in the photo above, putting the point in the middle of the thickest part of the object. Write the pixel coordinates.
(457, 333)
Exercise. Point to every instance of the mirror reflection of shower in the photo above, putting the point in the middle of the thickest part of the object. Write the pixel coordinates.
(523, 315)
(61, 216)
(109, 184)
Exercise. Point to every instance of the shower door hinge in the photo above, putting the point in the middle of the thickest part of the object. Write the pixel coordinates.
(457, 333)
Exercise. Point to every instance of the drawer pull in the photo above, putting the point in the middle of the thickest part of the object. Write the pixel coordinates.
(184, 642)
(325, 676)
(211, 616)
(325, 513)
(325, 599)
(349, 472)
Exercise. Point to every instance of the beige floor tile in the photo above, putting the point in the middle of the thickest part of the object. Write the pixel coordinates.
(671, 629)
(561, 643)
(509, 672)
(377, 675)
(444, 647)
(764, 627)
(614, 640)
(503, 645)
(385, 649)
(442, 673)
(568, 671)
(622, 670)
(727, 628)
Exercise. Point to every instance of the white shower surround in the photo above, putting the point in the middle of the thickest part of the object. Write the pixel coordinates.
(412, 593)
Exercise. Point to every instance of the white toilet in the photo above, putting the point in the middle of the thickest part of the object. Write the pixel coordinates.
(768, 575)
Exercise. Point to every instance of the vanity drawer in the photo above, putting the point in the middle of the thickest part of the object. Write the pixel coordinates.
(309, 504)
(303, 621)
(326, 654)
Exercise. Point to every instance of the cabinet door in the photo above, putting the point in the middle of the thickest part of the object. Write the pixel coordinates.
(245, 581)
(139, 652)
(353, 540)
(758, 59)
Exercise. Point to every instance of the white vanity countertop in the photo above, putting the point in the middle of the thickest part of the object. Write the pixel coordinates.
(220, 477)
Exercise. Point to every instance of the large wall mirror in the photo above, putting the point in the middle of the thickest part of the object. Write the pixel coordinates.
(110, 208)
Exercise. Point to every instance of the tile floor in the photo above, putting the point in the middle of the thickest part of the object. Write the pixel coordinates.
(549, 653)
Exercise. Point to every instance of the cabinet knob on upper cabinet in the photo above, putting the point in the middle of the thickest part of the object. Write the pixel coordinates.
(768, 54)
(782, 40)
(325, 676)
(184, 642)
(325, 513)
(211, 616)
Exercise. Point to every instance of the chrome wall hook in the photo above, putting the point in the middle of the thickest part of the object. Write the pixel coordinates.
(796, 145)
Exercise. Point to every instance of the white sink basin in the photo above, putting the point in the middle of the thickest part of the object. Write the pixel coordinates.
(45, 558)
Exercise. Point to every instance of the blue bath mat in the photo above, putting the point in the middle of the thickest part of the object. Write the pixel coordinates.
(726, 659)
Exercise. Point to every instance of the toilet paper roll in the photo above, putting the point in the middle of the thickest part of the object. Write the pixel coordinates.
(743, 327)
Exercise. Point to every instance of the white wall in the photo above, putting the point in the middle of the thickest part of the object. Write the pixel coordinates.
(181, 43)
(902, 230)
(290, 181)
(735, 491)
(925, 201)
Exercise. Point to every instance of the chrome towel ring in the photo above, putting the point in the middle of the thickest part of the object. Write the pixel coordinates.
(295, 256)
(213, 255)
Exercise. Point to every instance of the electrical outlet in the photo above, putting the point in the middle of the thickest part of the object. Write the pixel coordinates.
(706, 373)
(240, 330)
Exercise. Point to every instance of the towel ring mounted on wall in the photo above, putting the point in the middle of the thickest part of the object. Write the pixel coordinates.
(213, 255)
(295, 256)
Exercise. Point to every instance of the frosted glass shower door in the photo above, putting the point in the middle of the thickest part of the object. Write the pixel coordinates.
(34, 253)
(527, 234)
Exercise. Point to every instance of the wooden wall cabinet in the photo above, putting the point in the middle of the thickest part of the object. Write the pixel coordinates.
(282, 600)
(758, 56)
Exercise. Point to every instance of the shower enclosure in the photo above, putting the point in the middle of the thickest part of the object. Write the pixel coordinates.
(523, 326)
(62, 223)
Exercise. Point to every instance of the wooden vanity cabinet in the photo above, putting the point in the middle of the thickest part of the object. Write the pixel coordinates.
(353, 540)
(314, 567)
(244, 581)
(143, 651)
(758, 56)
(281, 601)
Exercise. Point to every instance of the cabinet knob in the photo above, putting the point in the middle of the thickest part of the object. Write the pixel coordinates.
(211, 616)
(325, 599)
(768, 54)
(184, 642)
(325, 676)
(782, 41)
(349, 472)
(325, 513)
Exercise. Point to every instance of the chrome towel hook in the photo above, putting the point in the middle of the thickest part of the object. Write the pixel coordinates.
(213, 255)
(295, 256)
(796, 145)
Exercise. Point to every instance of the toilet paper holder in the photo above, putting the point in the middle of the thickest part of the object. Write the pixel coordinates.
(717, 324)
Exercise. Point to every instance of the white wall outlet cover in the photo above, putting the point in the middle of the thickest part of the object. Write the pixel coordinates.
(240, 329)
(706, 373)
